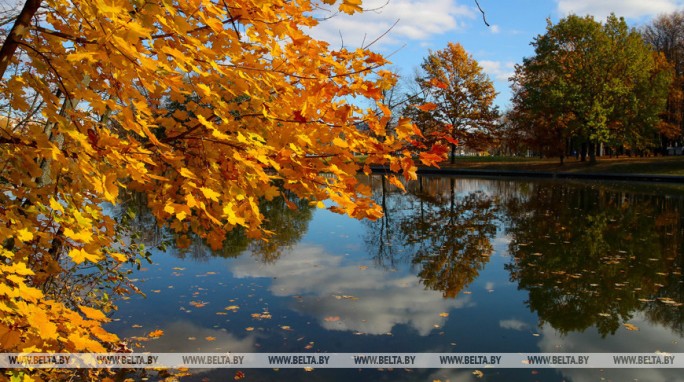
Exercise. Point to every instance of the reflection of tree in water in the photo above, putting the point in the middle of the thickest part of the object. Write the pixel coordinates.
(287, 227)
(446, 234)
(454, 239)
(592, 257)
(383, 238)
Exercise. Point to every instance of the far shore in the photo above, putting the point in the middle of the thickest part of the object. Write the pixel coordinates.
(657, 169)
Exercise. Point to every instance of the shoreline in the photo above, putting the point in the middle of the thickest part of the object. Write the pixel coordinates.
(655, 178)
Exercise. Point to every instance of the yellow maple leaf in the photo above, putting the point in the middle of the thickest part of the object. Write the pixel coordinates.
(93, 314)
(119, 257)
(80, 255)
(351, 6)
(83, 236)
(210, 194)
(55, 205)
(340, 143)
(187, 173)
(40, 320)
(24, 235)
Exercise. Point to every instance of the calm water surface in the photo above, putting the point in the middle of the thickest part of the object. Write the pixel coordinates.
(455, 265)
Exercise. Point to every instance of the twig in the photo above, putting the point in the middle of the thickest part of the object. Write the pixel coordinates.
(483, 13)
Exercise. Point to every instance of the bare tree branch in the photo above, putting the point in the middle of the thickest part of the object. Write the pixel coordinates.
(483, 13)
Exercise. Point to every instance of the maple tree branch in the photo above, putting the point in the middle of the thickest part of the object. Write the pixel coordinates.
(65, 36)
(382, 35)
(19, 29)
(52, 67)
(232, 21)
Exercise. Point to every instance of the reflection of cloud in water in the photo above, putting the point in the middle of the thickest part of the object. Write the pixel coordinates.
(649, 339)
(366, 300)
(513, 324)
(176, 334)
(453, 376)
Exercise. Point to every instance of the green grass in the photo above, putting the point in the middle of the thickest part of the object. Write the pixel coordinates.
(624, 165)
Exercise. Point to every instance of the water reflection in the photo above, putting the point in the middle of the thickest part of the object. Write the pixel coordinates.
(443, 231)
(593, 257)
(287, 220)
(572, 264)
(344, 297)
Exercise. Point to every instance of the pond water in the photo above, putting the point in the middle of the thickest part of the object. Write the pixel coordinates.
(455, 265)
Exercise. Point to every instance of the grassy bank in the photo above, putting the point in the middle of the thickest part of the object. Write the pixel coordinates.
(673, 165)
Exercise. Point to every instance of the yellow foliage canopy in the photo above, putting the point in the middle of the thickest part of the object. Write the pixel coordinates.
(204, 106)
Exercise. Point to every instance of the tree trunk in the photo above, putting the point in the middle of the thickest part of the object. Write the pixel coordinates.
(592, 152)
(452, 160)
(584, 151)
(19, 30)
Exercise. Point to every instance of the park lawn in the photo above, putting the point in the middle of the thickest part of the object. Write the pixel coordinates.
(670, 165)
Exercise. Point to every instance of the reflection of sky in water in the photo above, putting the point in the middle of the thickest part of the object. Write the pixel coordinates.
(326, 295)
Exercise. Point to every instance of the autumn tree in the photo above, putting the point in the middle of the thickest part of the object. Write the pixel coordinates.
(594, 84)
(458, 97)
(84, 100)
(666, 35)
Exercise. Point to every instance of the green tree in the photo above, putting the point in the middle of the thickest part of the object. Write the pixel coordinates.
(666, 35)
(595, 84)
(457, 97)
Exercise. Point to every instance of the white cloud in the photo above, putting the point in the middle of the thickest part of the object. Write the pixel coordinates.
(185, 336)
(369, 300)
(498, 70)
(649, 339)
(495, 29)
(626, 8)
(513, 324)
(418, 20)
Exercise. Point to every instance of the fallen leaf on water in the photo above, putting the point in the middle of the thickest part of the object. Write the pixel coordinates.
(210, 338)
(345, 297)
(178, 269)
(233, 308)
(629, 326)
(332, 318)
(156, 290)
(192, 338)
(239, 375)
(261, 316)
(156, 333)
(136, 326)
(478, 373)
(444, 314)
(198, 304)
(285, 327)
(249, 328)
(308, 369)
(363, 267)
(309, 346)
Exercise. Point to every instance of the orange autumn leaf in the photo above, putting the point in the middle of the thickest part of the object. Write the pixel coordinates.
(155, 333)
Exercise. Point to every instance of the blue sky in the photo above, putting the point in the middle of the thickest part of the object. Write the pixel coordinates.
(425, 25)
